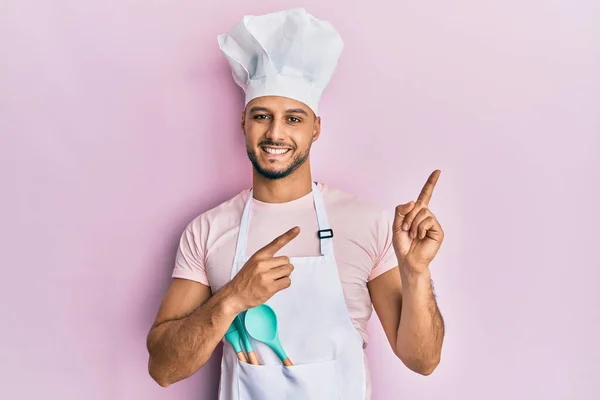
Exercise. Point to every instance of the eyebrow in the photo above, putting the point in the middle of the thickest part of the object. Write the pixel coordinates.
(290, 111)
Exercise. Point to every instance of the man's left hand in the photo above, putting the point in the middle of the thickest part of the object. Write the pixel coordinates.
(417, 233)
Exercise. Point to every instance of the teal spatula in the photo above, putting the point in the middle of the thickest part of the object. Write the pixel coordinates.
(261, 324)
(233, 336)
(245, 341)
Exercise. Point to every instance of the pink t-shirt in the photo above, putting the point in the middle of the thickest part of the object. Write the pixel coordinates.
(362, 242)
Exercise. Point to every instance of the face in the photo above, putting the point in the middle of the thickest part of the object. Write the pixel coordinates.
(279, 133)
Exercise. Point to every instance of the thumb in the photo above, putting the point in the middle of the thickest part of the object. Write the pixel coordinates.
(401, 212)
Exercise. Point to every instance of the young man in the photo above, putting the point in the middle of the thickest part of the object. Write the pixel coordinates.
(339, 256)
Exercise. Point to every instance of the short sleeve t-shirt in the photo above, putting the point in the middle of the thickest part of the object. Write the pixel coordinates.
(362, 242)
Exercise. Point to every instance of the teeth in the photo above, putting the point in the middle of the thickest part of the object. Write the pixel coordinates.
(275, 151)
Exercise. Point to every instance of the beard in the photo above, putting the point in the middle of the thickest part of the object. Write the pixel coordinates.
(297, 160)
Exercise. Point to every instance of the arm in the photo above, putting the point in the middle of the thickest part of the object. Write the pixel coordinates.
(403, 297)
(410, 318)
(187, 329)
(190, 323)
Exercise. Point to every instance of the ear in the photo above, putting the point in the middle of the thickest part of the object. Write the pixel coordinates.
(243, 122)
(317, 129)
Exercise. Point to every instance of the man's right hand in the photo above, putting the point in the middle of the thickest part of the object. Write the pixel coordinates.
(263, 275)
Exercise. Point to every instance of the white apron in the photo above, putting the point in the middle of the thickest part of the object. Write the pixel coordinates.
(314, 328)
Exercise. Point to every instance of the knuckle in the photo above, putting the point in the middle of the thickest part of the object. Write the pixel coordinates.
(284, 283)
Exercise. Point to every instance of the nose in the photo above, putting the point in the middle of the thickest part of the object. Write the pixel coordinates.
(276, 131)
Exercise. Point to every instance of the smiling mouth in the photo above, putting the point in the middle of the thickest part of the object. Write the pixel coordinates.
(275, 151)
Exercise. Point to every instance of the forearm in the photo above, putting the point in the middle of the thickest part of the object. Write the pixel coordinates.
(421, 327)
(178, 348)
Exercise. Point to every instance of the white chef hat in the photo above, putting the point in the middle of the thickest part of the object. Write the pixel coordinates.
(288, 53)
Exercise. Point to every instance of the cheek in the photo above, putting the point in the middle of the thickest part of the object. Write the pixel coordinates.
(302, 138)
(304, 142)
(252, 135)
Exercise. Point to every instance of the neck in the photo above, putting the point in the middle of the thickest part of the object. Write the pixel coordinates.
(292, 187)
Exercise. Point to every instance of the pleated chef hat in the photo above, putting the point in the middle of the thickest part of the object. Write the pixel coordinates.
(288, 53)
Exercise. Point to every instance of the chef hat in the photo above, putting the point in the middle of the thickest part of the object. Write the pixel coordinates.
(288, 53)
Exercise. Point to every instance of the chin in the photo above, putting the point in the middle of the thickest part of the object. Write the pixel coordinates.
(274, 169)
(273, 174)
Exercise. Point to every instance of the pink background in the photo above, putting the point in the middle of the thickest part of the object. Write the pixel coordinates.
(119, 123)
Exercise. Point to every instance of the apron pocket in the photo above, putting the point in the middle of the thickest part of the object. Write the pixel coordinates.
(314, 381)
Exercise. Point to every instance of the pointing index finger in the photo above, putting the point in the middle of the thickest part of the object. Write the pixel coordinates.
(427, 190)
(277, 244)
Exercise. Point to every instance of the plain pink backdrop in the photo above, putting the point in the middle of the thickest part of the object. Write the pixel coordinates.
(119, 123)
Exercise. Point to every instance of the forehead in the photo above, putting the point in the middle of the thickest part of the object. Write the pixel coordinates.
(277, 104)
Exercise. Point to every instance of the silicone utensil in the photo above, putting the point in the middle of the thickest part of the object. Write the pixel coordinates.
(245, 341)
(233, 336)
(261, 324)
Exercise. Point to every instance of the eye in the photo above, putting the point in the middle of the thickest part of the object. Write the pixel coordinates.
(294, 120)
(260, 116)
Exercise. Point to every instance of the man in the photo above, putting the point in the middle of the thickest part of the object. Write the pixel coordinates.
(339, 256)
